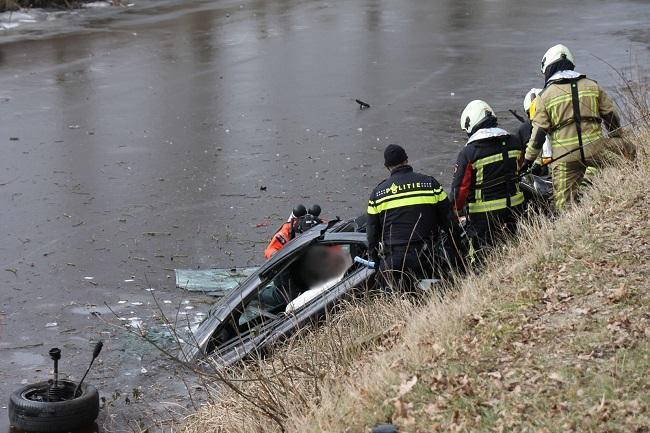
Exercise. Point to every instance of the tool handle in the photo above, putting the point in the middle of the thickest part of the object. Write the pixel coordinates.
(364, 262)
(517, 115)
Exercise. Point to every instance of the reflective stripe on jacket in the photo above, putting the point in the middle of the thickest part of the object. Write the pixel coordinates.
(486, 172)
(409, 198)
(407, 209)
(554, 115)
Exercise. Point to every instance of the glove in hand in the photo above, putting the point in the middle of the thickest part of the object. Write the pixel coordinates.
(525, 167)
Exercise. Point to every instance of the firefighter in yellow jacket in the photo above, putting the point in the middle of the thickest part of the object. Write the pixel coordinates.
(570, 109)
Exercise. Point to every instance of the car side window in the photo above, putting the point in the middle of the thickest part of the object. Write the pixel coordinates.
(319, 268)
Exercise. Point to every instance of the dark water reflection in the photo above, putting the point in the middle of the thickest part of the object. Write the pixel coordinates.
(168, 119)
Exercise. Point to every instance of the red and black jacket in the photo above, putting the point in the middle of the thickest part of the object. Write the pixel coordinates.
(485, 177)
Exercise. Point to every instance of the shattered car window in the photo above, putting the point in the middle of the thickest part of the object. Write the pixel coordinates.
(319, 268)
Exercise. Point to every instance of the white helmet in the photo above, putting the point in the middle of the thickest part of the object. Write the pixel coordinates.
(474, 113)
(528, 99)
(554, 54)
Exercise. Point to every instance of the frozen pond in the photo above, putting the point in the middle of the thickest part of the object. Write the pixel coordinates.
(138, 141)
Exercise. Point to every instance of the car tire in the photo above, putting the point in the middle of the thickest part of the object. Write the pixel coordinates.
(51, 417)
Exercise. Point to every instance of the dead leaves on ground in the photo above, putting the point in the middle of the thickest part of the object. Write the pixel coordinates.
(533, 363)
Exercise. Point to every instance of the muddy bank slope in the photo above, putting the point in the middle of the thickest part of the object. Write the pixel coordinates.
(553, 337)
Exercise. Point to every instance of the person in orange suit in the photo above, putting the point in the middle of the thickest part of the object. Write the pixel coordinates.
(299, 221)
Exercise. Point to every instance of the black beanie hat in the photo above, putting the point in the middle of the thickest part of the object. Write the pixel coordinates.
(394, 155)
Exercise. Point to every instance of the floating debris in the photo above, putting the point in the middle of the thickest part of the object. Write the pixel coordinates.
(7, 26)
(12, 19)
(95, 5)
(134, 322)
(362, 105)
(263, 223)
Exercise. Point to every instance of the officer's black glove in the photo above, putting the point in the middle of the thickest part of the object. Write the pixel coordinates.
(525, 167)
(536, 169)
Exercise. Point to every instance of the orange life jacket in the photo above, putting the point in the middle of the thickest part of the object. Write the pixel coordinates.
(279, 240)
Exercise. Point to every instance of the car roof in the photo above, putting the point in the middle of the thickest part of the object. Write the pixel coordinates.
(356, 237)
(310, 236)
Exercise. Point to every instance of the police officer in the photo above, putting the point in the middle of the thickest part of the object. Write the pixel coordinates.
(570, 110)
(486, 176)
(406, 214)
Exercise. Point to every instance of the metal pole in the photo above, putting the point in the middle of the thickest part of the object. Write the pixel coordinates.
(55, 354)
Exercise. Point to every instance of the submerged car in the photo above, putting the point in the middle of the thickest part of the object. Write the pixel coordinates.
(295, 286)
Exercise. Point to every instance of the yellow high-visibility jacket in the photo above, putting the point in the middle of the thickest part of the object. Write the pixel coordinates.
(554, 114)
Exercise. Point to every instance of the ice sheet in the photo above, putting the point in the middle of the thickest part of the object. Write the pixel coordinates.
(214, 282)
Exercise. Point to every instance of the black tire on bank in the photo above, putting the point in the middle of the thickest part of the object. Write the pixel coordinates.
(52, 417)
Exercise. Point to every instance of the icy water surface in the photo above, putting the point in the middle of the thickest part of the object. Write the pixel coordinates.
(138, 141)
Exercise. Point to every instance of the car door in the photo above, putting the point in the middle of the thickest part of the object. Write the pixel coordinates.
(197, 344)
(258, 340)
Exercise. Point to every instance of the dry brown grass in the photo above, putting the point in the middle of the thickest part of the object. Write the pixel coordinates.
(556, 340)
(279, 387)
(552, 336)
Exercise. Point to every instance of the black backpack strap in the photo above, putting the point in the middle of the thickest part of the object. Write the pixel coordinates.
(506, 162)
(577, 118)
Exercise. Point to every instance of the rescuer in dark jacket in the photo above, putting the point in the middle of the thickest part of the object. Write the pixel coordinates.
(486, 176)
(407, 213)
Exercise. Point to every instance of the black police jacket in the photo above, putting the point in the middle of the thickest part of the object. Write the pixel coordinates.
(408, 209)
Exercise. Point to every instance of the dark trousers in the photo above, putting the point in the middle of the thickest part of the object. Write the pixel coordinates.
(402, 265)
(485, 230)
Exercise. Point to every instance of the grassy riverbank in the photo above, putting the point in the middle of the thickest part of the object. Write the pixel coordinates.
(553, 336)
